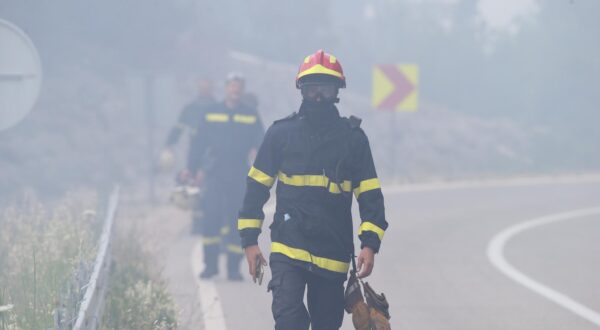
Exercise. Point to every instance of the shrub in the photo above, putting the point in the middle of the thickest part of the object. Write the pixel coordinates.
(41, 251)
(138, 297)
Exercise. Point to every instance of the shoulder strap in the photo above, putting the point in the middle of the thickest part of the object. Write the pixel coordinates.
(354, 122)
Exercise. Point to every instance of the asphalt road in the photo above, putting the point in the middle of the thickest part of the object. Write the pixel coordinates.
(434, 265)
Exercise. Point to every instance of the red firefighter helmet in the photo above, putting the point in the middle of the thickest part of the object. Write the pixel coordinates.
(321, 63)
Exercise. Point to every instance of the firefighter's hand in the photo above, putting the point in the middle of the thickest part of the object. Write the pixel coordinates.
(253, 252)
(366, 261)
(183, 177)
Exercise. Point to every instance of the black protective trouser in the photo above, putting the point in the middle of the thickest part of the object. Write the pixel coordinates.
(220, 203)
(325, 299)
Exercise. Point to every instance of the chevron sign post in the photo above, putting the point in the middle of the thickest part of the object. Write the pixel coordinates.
(395, 87)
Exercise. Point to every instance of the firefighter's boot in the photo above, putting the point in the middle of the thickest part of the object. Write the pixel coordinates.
(233, 266)
(211, 261)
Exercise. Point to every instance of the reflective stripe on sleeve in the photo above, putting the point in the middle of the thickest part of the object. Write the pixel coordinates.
(303, 255)
(244, 119)
(369, 226)
(207, 240)
(234, 249)
(261, 177)
(217, 117)
(249, 223)
(367, 185)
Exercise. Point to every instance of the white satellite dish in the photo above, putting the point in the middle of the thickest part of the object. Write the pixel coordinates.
(20, 75)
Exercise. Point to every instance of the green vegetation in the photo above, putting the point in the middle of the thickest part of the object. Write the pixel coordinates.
(47, 254)
(138, 298)
(41, 250)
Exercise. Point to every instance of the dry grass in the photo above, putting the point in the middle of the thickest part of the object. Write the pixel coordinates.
(41, 249)
(45, 250)
(138, 296)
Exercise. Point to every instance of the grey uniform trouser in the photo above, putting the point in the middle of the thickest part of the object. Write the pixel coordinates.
(220, 204)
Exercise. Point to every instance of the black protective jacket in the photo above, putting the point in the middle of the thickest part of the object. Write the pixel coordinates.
(188, 119)
(223, 139)
(317, 164)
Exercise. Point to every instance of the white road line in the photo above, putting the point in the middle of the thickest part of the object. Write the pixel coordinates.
(496, 256)
(212, 311)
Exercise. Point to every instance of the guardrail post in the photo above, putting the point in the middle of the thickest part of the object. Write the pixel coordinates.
(90, 311)
(3, 312)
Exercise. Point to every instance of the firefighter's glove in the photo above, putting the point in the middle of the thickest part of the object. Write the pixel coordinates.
(354, 303)
(166, 160)
(379, 321)
(353, 294)
(183, 177)
(360, 317)
(379, 309)
(372, 315)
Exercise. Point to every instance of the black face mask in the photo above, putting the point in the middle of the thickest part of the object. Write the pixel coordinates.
(313, 106)
(318, 102)
(319, 113)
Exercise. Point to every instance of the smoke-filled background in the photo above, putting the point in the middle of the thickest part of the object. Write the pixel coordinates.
(506, 87)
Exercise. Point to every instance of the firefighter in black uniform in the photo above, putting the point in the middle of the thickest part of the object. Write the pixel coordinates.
(318, 160)
(222, 150)
(191, 113)
(187, 124)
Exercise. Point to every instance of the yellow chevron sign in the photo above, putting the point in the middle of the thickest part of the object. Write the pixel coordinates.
(395, 87)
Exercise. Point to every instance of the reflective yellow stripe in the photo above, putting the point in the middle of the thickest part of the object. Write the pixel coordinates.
(217, 117)
(346, 186)
(224, 230)
(367, 185)
(244, 119)
(235, 248)
(304, 180)
(261, 177)
(369, 226)
(211, 240)
(314, 181)
(303, 255)
(249, 223)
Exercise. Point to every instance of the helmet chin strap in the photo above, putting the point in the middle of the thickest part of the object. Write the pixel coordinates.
(323, 104)
(322, 101)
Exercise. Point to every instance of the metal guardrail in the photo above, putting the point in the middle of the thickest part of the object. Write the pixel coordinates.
(5, 308)
(3, 312)
(92, 305)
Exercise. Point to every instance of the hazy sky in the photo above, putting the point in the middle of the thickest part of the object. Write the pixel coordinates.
(494, 15)
(504, 15)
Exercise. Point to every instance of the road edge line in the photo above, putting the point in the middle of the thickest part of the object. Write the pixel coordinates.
(495, 253)
(212, 311)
